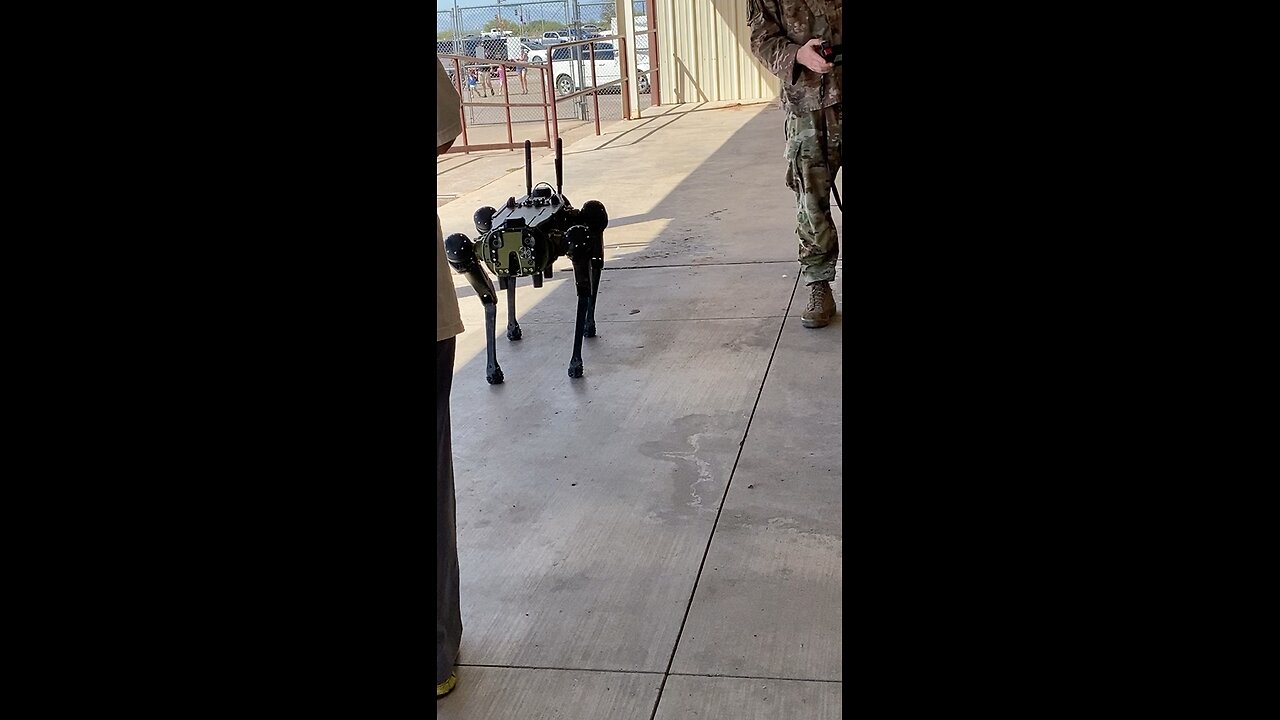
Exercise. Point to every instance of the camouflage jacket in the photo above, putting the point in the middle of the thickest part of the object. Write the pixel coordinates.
(778, 29)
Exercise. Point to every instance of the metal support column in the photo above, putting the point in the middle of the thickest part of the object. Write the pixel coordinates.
(626, 17)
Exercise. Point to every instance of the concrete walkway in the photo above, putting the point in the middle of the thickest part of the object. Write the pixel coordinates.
(661, 538)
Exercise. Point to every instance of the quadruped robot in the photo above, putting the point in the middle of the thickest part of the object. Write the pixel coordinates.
(525, 237)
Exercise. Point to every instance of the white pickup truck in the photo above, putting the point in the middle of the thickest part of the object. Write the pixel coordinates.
(565, 62)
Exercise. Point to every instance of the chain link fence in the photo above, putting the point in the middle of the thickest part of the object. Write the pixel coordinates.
(525, 18)
(497, 31)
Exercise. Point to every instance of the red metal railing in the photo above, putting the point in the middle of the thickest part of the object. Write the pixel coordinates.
(464, 61)
(550, 116)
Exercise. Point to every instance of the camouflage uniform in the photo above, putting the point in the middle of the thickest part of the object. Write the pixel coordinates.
(812, 100)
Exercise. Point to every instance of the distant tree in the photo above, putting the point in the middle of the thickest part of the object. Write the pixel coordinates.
(606, 14)
(500, 24)
(535, 28)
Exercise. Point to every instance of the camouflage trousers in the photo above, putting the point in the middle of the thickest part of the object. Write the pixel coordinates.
(811, 178)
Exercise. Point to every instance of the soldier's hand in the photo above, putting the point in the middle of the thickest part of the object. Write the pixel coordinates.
(808, 56)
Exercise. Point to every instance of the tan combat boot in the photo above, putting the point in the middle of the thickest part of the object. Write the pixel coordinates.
(822, 305)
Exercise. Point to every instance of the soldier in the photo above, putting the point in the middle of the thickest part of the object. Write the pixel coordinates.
(786, 35)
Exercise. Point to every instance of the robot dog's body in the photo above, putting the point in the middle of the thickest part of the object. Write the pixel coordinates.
(526, 237)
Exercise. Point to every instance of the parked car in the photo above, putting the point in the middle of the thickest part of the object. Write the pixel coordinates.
(476, 47)
(565, 62)
(537, 51)
(552, 37)
(490, 48)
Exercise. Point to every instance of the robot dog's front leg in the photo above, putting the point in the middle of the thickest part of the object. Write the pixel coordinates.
(462, 256)
(513, 327)
(484, 224)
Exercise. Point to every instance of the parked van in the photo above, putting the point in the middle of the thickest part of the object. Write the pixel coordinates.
(487, 48)
(450, 47)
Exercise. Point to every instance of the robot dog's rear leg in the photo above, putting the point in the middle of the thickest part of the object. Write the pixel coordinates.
(580, 254)
(461, 254)
(596, 218)
(597, 264)
(575, 362)
(513, 327)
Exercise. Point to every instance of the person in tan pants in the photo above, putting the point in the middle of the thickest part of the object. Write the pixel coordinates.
(448, 326)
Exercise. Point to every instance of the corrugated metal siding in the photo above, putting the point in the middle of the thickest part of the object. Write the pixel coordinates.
(704, 51)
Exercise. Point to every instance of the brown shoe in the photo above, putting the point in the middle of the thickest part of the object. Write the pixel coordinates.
(822, 305)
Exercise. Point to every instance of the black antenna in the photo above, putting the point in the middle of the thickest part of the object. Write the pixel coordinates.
(528, 169)
(559, 165)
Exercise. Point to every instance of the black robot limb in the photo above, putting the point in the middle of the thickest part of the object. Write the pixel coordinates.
(461, 253)
(483, 219)
(513, 327)
(596, 218)
(579, 241)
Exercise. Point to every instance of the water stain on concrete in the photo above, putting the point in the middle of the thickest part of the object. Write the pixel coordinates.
(697, 446)
(823, 531)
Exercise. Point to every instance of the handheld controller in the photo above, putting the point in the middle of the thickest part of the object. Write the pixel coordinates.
(831, 53)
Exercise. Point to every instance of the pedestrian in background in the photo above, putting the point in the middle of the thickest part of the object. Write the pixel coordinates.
(524, 71)
(471, 84)
(484, 74)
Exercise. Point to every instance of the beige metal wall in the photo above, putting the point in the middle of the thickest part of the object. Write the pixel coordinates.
(704, 52)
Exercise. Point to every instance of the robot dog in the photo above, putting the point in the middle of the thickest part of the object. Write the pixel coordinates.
(526, 237)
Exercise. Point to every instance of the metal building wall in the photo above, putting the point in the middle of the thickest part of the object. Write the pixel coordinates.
(704, 51)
